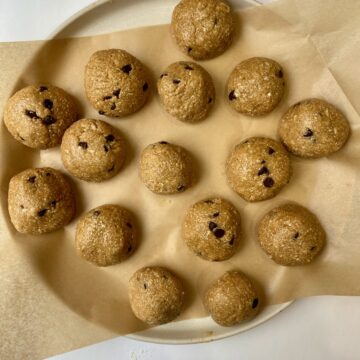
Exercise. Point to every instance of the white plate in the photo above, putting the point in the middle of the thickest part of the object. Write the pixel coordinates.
(105, 16)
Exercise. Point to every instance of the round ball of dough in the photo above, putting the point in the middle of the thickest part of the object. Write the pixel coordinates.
(156, 295)
(186, 91)
(256, 86)
(93, 150)
(165, 168)
(116, 83)
(211, 229)
(40, 200)
(291, 235)
(258, 168)
(106, 235)
(232, 299)
(203, 29)
(38, 115)
(313, 128)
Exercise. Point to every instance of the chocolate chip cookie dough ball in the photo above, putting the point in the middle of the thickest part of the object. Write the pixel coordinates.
(40, 200)
(256, 86)
(186, 91)
(38, 115)
(232, 299)
(313, 128)
(211, 229)
(116, 83)
(93, 150)
(166, 168)
(106, 235)
(258, 168)
(203, 29)
(291, 235)
(156, 295)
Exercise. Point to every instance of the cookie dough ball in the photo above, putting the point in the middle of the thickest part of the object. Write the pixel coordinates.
(256, 86)
(258, 168)
(93, 150)
(40, 200)
(211, 229)
(166, 168)
(203, 29)
(106, 235)
(186, 91)
(38, 115)
(156, 295)
(232, 299)
(291, 235)
(116, 83)
(313, 128)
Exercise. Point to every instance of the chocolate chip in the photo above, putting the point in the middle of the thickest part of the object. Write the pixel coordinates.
(42, 88)
(145, 286)
(210, 100)
(42, 212)
(48, 104)
(31, 114)
(129, 248)
(83, 144)
(96, 213)
(107, 97)
(116, 93)
(263, 161)
(163, 142)
(268, 182)
(308, 133)
(181, 188)
(216, 214)
(255, 303)
(53, 203)
(176, 81)
(263, 170)
(145, 86)
(109, 138)
(21, 206)
(219, 233)
(296, 235)
(112, 168)
(232, 95)
(189, 49)
(126, 69)
(312, 248)
(31, 179)
(162, 75)
(279, 74)
(113, 106)
(106, 148)
(101, 112)
(47, 174)
(48, 120)
(208, 201)
(212, 225)
(271, 151)
(231, 242)
(129, 225)
(188, 67)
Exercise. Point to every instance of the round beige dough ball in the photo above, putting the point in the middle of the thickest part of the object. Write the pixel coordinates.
(38, 115)
(256, 86)
(203, 29)
(156, 295)
(186, 91)
(232, 299)
(106, 235)
(291, 235)
(258, 168)
(93, 150)
(40, 200)
(116, 83)
(211, 229)
(313, 128)
(166, 168)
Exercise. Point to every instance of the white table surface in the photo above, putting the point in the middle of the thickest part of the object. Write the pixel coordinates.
(326, 327)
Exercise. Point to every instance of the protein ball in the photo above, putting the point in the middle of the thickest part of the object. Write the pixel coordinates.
(211, 229)
(106, 235)
(156, 295)
(40, 200)
(166, 168)
(232, 299)
(291, 235)
(313, 128)
(202, 29)
(116, 83)
(258, 168)
(93, 150)
(186, 91)
(38, 115)
(256, 86)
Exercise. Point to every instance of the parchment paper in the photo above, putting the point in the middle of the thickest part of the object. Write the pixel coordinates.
(51, 301)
